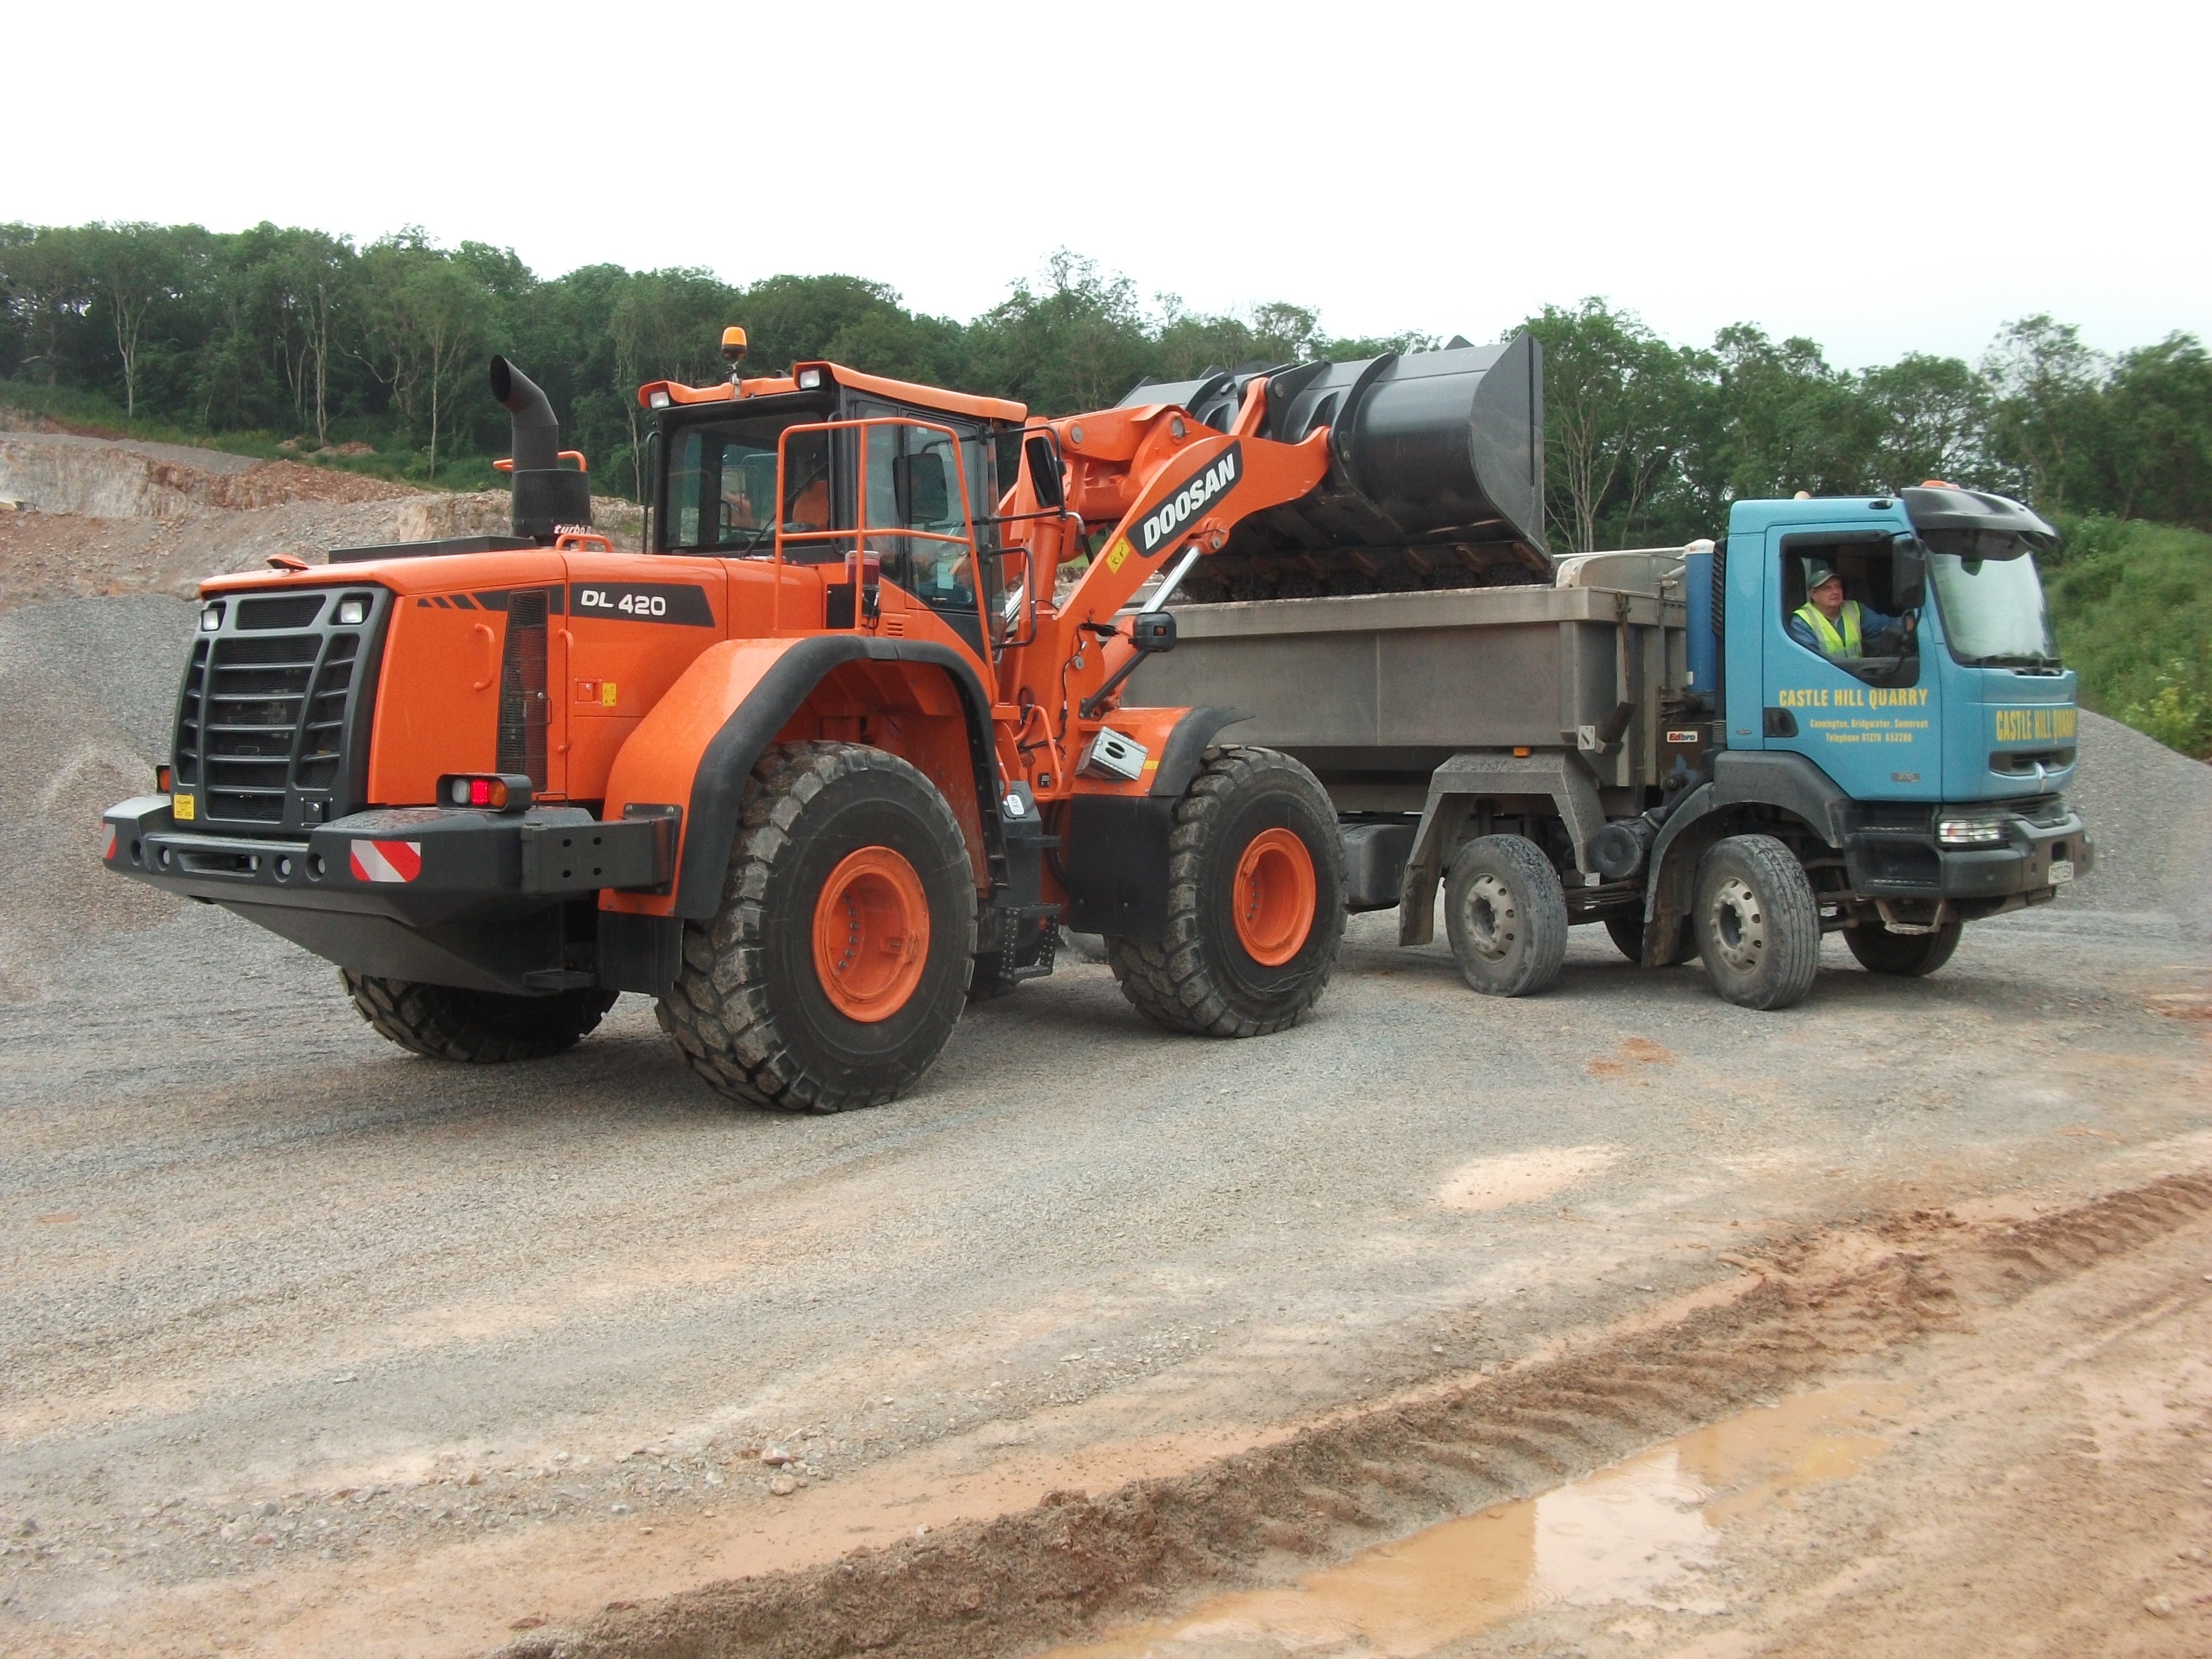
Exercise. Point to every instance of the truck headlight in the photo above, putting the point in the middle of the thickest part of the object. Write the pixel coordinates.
(1970, 832)
(211, 617)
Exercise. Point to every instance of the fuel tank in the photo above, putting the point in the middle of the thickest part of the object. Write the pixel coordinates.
(1436, 477)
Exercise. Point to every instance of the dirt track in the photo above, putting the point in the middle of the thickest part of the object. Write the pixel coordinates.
(307, 1346)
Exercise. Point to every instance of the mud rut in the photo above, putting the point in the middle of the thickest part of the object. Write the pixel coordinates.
(1074, 1561)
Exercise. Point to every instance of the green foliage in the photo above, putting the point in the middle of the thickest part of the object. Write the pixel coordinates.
(2131, 603)
(288, 330)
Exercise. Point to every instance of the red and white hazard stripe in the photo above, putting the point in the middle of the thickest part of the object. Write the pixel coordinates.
(386, 860)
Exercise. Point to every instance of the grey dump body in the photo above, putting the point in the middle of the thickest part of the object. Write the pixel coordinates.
(1406, 705)
(1374, 692)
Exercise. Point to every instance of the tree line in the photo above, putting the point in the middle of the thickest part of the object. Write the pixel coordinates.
(298, 334)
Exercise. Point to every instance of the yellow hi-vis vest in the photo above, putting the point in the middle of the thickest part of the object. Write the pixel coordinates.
(1848, 643)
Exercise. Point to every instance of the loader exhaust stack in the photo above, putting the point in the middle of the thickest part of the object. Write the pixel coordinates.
(1436, 477)
(547, 499)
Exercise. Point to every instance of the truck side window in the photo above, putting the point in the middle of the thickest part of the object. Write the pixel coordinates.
(1866, 636)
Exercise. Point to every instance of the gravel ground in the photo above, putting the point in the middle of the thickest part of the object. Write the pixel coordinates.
(311, 1343)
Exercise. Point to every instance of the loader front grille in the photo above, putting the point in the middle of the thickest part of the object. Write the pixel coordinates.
(272, 720)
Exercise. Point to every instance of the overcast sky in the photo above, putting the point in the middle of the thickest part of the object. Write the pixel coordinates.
(1884, 177)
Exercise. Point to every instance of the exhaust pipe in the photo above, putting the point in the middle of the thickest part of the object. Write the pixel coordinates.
(548, 501)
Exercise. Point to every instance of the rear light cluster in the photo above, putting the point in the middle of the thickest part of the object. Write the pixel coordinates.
(485, 791)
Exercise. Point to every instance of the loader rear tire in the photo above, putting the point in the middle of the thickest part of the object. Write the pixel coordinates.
(1506, 916)
(837, 964)
(474, 1028)
(1255, 901)
(1758, 925)
(1908, 955)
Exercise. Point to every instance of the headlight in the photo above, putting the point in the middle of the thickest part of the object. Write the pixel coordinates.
(656, 399)
(1970, 832)
(810, 380)
(353, 611)
(210, 616)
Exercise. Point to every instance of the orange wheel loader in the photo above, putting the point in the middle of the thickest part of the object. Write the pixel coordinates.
(842, 747)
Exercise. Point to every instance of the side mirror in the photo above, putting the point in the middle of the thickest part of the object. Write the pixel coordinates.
(1152, 630)
(1908, 573)
(1044, 473)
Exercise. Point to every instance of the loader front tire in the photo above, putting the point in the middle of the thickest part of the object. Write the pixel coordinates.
(837, 964)
(1255, 901)
(476, 1028)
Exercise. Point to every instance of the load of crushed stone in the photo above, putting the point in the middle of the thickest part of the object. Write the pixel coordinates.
(89, 687)
(108, 516)
(2150, 811)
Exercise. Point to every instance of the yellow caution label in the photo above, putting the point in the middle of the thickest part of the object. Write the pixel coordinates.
(1117, 552)
(181, 808)
(606, 694)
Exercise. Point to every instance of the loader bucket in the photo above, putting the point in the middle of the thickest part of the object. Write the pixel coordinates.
(1436, 476)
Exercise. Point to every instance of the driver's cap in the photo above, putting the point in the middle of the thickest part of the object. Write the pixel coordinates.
(1816, 572)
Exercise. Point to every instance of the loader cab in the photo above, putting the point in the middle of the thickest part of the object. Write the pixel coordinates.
(836, 467)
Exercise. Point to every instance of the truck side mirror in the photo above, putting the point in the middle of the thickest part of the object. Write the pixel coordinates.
(1044, 473)
(1908, 573)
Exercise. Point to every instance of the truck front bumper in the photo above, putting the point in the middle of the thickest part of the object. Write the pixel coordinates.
(2035, 852)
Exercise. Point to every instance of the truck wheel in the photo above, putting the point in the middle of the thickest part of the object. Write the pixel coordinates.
(481, 1028)
(1910, 956)
(837, 964)
(1255, 901)
(1506, 916)
(1758, 923)
(1627, 933)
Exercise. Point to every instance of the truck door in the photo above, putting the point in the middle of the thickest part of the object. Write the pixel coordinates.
(1858, 699)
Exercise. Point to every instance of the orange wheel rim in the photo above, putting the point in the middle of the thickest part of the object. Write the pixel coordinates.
(1273, 897)
(871, 934)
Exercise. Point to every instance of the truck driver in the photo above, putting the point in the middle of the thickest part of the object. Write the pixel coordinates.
(1836, 627)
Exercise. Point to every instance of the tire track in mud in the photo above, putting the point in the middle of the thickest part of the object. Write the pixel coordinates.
(1049, 1573)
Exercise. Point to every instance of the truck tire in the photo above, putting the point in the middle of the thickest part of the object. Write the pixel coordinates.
(1758, 923)
(1255, 901)
(1909, 956)
(476, 1028)
(1627, 933)
(1506, 916)
(836, 966)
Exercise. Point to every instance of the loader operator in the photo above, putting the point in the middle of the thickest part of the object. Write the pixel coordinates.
(1838, 627)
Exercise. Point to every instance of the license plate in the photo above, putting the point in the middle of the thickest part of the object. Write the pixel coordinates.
(2062, 870)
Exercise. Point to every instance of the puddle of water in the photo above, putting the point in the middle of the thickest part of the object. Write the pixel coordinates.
(1639, 1534)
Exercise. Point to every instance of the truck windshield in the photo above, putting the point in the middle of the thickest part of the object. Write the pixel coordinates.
(1992, 600)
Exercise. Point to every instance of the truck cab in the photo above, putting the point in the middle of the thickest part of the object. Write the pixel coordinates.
(1934, 756)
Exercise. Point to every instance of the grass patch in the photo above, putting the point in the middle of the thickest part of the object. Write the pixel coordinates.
(2131, 603)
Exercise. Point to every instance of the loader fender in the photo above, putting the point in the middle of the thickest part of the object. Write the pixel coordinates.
(1186, 747)
(1116, 860)
(697, 746)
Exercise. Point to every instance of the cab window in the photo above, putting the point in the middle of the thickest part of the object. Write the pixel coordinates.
(1866, 565)
(722, 487)
(914, 474)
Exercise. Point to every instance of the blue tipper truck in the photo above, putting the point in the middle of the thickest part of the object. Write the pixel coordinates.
(1644, 741)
